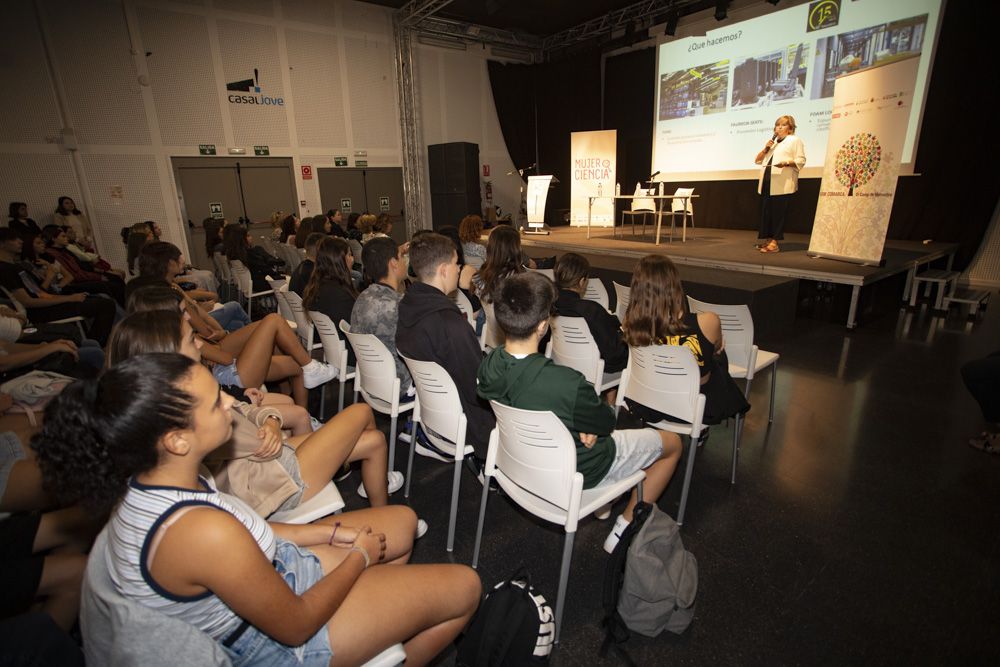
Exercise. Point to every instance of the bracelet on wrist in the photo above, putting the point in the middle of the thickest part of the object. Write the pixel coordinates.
(334, 534)
(364, 553)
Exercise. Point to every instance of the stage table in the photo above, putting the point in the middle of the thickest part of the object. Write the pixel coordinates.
(658, 213)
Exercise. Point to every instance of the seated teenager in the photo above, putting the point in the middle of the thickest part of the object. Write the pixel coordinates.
(430, 327)
(516, 374)
(245, 359)
(470, 231)
(289, 228)
(93, 280)
(44, 306)
(465, 270)
(657, 314)
(333, 592)
(504, 258)
(337, 223)
(302, 273)
(377, 308)
(239, 246)
(330, 289)
(59, 356)
(262, 467)
(571, 278)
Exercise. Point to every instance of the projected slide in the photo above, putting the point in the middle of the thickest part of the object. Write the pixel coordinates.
(718, 95)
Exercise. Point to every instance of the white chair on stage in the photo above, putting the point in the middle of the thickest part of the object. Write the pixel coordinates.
(679, 206)
(492, 335)
(244, 282)
(641, 207)
(334, 353)
(439, 410)
(666, 378)
(622, 296)
(573, 345)
(533, 458)
(596, 291)
(464, 305)
(375, 377)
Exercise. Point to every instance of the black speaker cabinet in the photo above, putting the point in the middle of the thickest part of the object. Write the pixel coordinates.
(454, 172)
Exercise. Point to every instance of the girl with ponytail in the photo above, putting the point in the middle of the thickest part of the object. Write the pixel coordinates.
(329, 593)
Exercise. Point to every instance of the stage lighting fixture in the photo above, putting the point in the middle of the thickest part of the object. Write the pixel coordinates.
(671, 27)
(720, 9)
(772, 2)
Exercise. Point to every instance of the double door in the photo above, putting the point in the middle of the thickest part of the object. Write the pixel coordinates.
(368, 190)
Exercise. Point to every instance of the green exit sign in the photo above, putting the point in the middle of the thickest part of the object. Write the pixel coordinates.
(206, 149)
(361, 163)
(340, 161)
(261, 150)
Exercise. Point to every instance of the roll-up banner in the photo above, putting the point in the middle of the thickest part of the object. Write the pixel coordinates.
(593, 157)
(867, 131)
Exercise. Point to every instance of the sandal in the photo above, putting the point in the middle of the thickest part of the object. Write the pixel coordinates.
(770, 247)
(986, 442)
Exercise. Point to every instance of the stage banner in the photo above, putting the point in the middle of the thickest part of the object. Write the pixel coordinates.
(867, 130)
(593, 158)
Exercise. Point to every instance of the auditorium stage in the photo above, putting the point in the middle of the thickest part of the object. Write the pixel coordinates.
(732, 250)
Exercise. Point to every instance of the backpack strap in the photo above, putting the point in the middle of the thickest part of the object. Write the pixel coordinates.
(616, 633)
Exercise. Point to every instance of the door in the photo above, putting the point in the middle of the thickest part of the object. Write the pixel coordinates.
(370, 189)
(249, 189)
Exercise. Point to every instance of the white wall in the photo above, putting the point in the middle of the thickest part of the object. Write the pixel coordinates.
(330, 60)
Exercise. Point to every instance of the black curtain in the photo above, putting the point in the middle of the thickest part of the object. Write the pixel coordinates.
(513, 95)
(952, 199)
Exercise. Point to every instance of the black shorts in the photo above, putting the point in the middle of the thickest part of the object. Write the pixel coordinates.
(20, 569)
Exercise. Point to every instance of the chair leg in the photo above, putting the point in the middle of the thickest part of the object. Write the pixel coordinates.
(392, 442)
(638, 492)
(746, 388)
(482, 522)
(567, 556)
(409, 463)
(453, 517)
(340, 401)
(322, 402)
(692, 449)
(736, 446)
(774, 379)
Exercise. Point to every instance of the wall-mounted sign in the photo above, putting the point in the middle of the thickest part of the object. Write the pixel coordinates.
(361, 163)
(345, 205)
(383, 204)
(307, 172)
(206, 149)
(340, 161)
(360, 153)
(261, 150)
(251, 86)
(486, 170)
(215, 208)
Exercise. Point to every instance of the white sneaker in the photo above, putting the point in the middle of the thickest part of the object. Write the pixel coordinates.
(616, 534)
(315, 424)
(421, 529)
(395, 479)
(316, 373)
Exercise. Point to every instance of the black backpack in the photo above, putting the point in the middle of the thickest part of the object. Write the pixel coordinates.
(514, 626)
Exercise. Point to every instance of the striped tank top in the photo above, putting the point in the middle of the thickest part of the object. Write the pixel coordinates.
(132, 527)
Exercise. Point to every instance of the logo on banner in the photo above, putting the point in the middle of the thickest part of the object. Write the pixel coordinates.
(857, 161)
(256, 97)
(591, 169)
(823, 14)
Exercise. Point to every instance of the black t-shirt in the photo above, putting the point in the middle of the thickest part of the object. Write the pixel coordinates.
(10, 277)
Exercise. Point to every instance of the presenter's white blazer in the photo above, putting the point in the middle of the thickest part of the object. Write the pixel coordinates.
(784, 180)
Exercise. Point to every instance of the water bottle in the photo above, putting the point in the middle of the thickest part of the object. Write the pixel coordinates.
(618, 189)
(599, 193)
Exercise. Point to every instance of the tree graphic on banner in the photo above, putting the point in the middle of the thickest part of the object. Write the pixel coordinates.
(857, 161)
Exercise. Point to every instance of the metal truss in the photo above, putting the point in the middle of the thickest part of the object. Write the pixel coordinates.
(416, 11)
(642, 14)
(412, 142)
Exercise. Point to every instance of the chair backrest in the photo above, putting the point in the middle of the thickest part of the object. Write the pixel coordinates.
(18, 306)
(222, 267)
(438, 405)
(536, 452)
(464, 305)
(622, 294)
(289, 254)
(664, 378)
(677, 205)
(573, 345)
(303, 325)
(268, 244)
(376, 369)
(280, 287)
(334, 347)
(737, 328)
(492, 335)
(596, 291)
(120, 631)
(548, 273)
(642, 204)
(356, 249)
(241, 276)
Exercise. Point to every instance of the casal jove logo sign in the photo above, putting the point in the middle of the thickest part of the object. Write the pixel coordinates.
(256, 97)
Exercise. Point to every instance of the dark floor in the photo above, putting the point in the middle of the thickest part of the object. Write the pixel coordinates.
(861, 527)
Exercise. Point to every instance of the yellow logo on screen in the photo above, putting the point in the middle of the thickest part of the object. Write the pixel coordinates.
(824, 14)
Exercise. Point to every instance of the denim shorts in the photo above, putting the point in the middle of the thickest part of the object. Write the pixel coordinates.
(227, 375)
(301, 570)
(635, 449)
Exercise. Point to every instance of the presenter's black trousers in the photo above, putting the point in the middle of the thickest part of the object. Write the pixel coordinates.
(982, 379)
(773, 211)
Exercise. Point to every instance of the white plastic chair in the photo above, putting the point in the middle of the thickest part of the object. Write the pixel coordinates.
(745, 358)
(492, 335)
(326, 502)
(666, 378)
(375, 377)
(572, 344)
(640, 207)
(280, 287)
(334, 352)
(289, 254)
(622, 296)
(439, 409)
(677, 208)
(244, 282)
(533, 457)
(464, 305)
(596, 291)
(304, 326)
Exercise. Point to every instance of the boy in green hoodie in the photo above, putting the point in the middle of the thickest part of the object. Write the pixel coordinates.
(517, 375)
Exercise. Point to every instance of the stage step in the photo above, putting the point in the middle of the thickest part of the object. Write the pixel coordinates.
(975, 299)
(945, 281)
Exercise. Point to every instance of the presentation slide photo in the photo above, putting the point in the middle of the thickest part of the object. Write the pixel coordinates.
(764, 79)
(867, 47)
(695, 91)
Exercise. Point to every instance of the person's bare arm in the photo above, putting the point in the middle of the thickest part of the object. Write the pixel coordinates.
(22, 354)
(711, 326)
(29, 301)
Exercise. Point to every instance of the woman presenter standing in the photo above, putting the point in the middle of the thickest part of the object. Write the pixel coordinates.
(781, 159)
